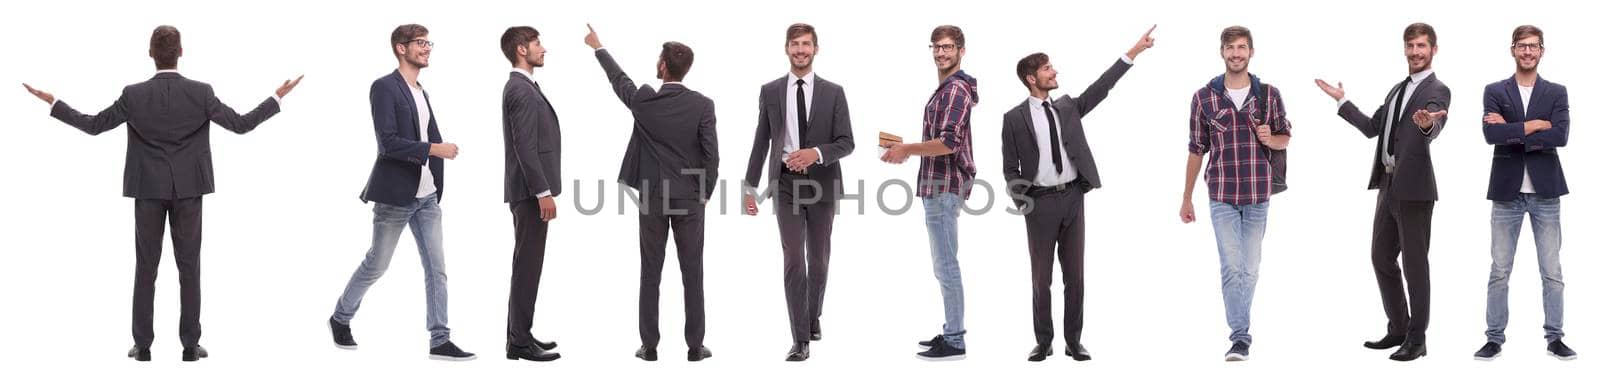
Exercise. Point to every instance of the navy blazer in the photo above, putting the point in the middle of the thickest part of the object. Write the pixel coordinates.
(401, 150)
(1515, 151)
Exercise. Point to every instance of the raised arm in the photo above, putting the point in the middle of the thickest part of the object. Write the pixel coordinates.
(620, 83)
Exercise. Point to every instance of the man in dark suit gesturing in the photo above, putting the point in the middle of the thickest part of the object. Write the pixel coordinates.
(1402, 172)
(802, 132)
(672, 161)
(168, 170)
(533, 180)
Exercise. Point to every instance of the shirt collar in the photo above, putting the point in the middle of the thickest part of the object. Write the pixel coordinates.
(527, 74)
(1419, 76)
(160, 71)
(1034, 102)
(810, 78)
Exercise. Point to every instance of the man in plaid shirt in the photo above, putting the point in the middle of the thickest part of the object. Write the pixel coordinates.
(945, 179)
(1235, 120)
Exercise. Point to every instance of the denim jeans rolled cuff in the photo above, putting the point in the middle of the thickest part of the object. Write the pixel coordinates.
(1239, 230)
(388, 224)
(1505, 228)
(942, 210)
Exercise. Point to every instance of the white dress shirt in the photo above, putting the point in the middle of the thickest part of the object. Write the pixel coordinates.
(791, 116)
(1041, 132)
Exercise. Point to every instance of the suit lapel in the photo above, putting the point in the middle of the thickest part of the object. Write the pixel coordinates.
(1514, 94)
(411, 105)
(1027, 121)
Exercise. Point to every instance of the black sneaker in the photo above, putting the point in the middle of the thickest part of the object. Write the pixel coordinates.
(1489, 351)
(449, 352)
(926, 344)
(1239, 352)
(1561, 351)
(942, 351)
(341, 335)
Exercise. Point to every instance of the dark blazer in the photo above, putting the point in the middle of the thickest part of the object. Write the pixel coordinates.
(1514, 151)
(401, 149)
(169, 137)
(674, 140)
(532, 139)
(1019, 149)
(829, 123)
(1413, 174)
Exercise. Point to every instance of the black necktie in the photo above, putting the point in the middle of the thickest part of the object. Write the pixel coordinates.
(800, 111)
(1399, 108)
(1055, 138)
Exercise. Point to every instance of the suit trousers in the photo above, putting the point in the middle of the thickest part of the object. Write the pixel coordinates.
(1055, 230)
(527, 265)
(1400, 238)
(685, 218)
(150, 217)
(805, 229)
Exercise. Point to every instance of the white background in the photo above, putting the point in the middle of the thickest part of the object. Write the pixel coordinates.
(285, 229)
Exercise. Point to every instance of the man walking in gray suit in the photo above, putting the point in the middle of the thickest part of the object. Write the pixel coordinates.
(1048, 169)
(672, 162)
(802, 132)
(1402, 171)
(168, 170)
(533, 180)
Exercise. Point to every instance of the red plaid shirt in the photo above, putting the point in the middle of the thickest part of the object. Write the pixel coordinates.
(1238, 171)
(948, 116)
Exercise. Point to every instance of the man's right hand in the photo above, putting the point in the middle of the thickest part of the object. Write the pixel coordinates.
(443, 150)
(593, 40)
(288, 85)
(1186, 212)
(750, 205)
(547, 208)
(42, 95)
(1337, 93)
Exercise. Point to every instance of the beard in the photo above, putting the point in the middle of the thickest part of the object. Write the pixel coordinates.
(417, 62)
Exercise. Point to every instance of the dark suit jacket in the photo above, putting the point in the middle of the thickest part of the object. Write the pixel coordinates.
(532, 139)
(1413, 174)
(674, 141)
(401, 148)
(169, 137)
(1514, 151)
(829, 123)
(1019, 149)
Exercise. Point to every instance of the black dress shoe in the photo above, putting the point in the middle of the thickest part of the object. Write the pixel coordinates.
(699, 353)
(1409, 352)
(1040, 352)
(1077, 351)
(139, 353)
(1386, 342)
(645, 353)
(341, 335)
(800, 352)
(530, 353)
(816, 331)
(545, 345)
(195, 353)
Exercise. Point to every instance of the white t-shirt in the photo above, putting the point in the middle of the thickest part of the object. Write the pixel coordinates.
(425, 186)
(1238, 96)
(1527, 180)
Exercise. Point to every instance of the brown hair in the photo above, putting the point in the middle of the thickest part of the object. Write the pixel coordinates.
(950, 31)
(165, 46)
(404, 34)
(1525, 31)
(516, 37)
(1230, 34)
(1029, 65)
(678, 58)
(801, 29)
(1419, 29)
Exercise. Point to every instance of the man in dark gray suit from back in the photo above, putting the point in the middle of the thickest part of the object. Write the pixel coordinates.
(168, 169)
(801, 134)
(672, 162)
(533, 180)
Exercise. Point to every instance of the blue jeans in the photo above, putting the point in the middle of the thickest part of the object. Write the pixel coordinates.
(1505, 226)
(942, 210)
(1239, 229)
(388, 222)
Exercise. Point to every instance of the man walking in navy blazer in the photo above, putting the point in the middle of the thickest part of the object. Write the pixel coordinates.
(1525, 119)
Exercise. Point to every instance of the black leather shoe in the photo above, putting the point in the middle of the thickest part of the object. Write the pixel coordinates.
(645, 353)
(699, 353)
(1040, 352)
(195, 353)
(800, 352)
(548, 346)
(1386, 342)
(139, 354)
(530, 353)
(1077, 351)
(341, 335)
(1489, 351)
(1409, 352)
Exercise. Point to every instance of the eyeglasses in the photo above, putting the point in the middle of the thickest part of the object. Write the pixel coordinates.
(422, 42)
(1527, 47)
(936, 48)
